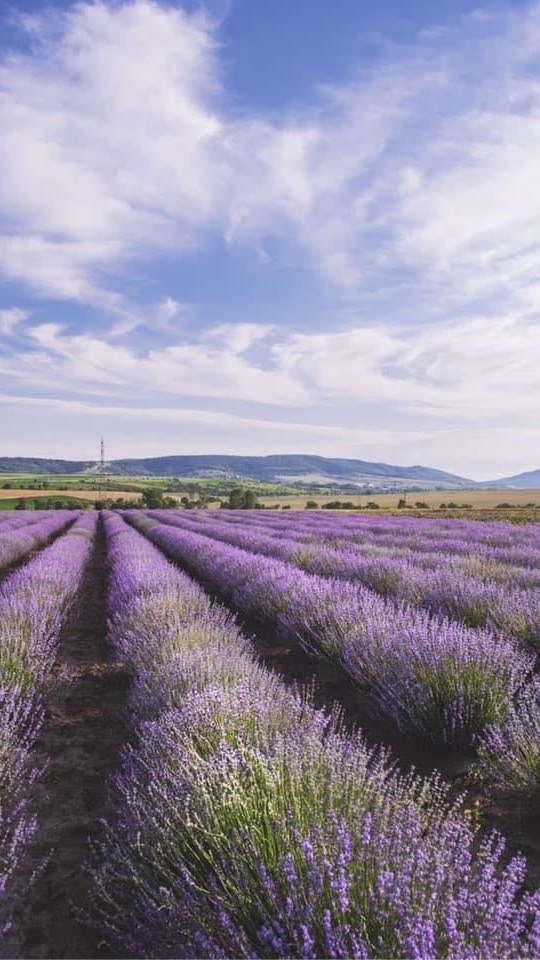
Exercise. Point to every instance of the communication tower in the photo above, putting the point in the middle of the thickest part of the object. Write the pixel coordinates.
(101, 468)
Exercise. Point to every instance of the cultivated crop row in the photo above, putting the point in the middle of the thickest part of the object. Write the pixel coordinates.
(474, 590)
(425, 540)
(243, 822)
(34, 602)
(431, 677)
(19, 539)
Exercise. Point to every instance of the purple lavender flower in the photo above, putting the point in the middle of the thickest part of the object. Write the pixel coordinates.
(240, 825)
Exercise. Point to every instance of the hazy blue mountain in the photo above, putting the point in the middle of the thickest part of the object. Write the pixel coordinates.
(42, 465)
(521, 481)
(275, 467)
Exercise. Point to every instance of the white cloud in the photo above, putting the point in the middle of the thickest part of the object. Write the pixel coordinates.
(415, 182)
(118, 143)
(469, 371)
(10, 319)
(104, 154)
(213, 366)
(474, 369)
(72, 429)
(169, 309)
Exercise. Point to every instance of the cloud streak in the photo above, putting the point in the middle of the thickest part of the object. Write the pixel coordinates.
(408, 189)
(120, 142)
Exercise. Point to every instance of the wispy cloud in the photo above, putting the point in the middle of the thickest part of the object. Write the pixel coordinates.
(10, 320)
(409, 189)
(73, 428)
(105, 154)
(474, 369)
(119, 142)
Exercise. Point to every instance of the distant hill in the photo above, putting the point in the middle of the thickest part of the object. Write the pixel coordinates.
(286, 467)
(40, 465)
(521, 481)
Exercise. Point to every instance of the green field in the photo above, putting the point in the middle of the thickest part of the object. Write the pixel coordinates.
(80, 489)
(40, 503)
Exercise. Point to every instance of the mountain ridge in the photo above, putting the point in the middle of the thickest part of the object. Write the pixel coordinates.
(529, 480)
(290, 467)
(274, 467)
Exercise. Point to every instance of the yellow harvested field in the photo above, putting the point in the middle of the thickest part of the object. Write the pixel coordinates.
(478, 499)
(70, 492)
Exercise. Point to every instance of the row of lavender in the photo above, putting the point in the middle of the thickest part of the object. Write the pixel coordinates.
(494, 547)
(473, 588)
(244, 823)
(19, 537)
(500, 538)
(429, 676)
(34, 602)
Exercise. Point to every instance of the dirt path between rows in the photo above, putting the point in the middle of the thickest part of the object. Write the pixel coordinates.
(80, 742)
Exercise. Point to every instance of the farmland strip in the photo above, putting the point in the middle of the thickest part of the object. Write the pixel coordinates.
(18, 543)
(33, 605)
(509, 746)
(80, 742)
(471, 591)
(244, 823)
(430, 677)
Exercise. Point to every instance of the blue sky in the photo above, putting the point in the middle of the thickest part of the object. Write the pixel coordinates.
(262, 226)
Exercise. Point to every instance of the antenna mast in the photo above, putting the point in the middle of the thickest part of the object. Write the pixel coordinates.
(101, 468)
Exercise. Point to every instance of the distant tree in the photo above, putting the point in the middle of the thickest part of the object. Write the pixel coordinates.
(442, 506)
(239, 499)
(249, 500)
(421, 505)
(402, 503)
(152, 498)
(371, 505)
(236, 499)
(22, 504)
(312, 505)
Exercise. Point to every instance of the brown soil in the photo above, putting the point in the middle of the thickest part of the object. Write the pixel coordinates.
(80, 744)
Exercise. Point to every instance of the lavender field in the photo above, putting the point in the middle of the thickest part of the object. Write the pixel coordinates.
(250, 734)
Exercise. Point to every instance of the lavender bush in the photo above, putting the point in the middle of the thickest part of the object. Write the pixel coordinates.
(33, 604)
(510, 753)
(21, 538)
(469, 587)
(245, 823)
(429, 675)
